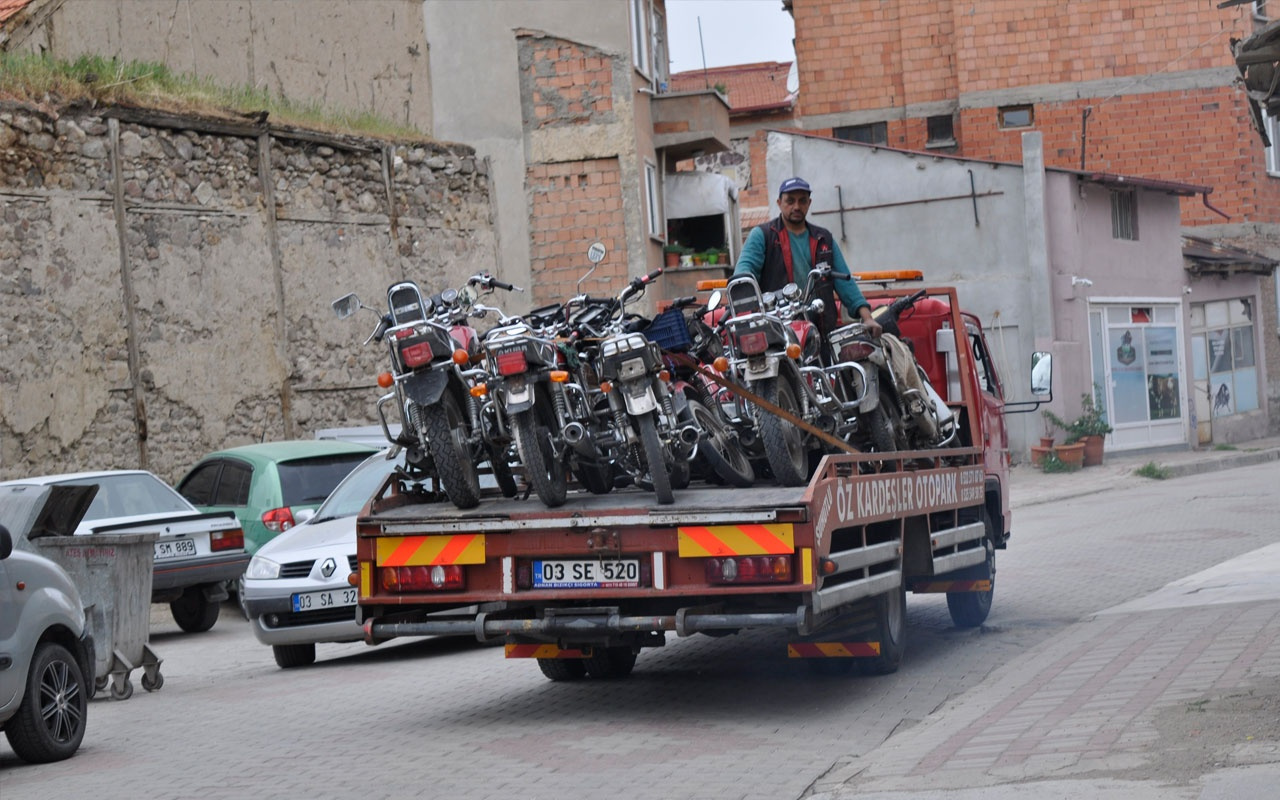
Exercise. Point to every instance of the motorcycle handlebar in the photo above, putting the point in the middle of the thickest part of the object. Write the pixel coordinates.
(381, 330)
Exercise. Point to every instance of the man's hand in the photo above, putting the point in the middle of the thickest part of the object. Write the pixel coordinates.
(873, 327)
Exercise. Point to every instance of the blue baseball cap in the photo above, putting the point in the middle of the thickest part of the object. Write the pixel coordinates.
(794, 185)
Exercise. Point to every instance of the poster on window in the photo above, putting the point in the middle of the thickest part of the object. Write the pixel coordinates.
(1220, 392)
(1128, 375)
(1219, 350)
(1162, 373)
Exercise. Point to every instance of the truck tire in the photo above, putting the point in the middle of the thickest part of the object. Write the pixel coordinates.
(289, 656)
(783, 442)
(891, 632)
(541, 467)
(654, 460)
(194, 612)
(562, 669)
(445, 430)
(49, 724)
(970, 609)
(610, 662)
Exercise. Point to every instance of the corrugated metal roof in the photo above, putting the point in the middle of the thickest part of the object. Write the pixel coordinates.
(761, 86)
(10, 7)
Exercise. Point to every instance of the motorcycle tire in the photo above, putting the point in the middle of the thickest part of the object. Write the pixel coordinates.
(653, 456)
(783, 442)
(595, 477)
(885, 425)
(545, 472)
(720, 449)
(446, 429)
(502, 471)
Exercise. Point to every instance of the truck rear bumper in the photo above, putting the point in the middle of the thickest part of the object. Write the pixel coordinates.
(584, 625)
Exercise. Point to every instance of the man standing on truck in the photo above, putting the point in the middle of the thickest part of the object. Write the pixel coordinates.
(783, 251)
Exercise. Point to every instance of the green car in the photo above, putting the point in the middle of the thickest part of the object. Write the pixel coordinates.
(271, 486)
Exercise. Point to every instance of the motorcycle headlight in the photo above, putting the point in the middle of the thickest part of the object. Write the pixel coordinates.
(262, 569)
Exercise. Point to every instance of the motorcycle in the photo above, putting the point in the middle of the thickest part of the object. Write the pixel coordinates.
(431, 349)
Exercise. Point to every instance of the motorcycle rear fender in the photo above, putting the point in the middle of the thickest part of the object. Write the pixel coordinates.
(641, 403)
(871, 399)
(767, 367)
(519, 398)
(426, 386)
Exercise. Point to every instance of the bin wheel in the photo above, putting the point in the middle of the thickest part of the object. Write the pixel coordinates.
(152, 684)
(100, 683)
(121, 689)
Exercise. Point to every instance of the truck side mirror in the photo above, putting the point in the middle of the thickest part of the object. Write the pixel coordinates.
(1042, 374)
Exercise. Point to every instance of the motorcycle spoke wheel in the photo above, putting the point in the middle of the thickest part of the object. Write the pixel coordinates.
(720, 449)
(783, 442)
(655, 461)
(541, 467)
(446, 432)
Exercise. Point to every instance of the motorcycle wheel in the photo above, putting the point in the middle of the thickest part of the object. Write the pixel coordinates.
(720, 449)
(446, 431)
(596, 478)
(653, 456)
(885, 426)
(541, 467)
(502, 470)
(783, 442)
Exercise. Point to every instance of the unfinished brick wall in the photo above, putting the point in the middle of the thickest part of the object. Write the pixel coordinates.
(563, 82)
(573, 204)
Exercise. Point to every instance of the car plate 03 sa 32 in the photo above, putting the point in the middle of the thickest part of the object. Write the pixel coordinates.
(586, 574)
(330, 598)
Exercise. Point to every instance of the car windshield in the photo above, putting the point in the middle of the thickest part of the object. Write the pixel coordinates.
(309, 481)
(130, 495)
(358, 487)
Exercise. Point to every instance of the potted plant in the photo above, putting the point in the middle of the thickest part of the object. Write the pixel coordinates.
(671, 253)
(1085, 431)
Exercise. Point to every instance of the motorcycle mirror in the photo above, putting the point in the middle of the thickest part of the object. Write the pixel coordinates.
(595, 253)
(1042, 373)
(817, 306)
(713, 302)
(467, 296)
(346, 305)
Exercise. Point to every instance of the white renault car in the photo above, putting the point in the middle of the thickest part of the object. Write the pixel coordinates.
(297, 590)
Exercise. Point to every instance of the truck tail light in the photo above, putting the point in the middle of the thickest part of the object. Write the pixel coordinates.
(856, 351)
(278, 520)
(438, 578)
(511, 362)
(749, 569)
(226, 540)
(753, 344)
(415, 355)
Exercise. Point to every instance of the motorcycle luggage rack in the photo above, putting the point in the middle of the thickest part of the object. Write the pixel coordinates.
(670, 331)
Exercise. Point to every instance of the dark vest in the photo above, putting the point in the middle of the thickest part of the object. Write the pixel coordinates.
(778, 271)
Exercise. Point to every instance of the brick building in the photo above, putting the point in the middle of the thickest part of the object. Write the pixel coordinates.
(1139, 87)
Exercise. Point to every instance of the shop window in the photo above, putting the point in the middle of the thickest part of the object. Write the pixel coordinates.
(1016, 116)
(874, 133)
(1124, 215)
(1232, 360)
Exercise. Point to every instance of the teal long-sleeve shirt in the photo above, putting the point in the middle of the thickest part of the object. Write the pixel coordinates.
(751, 262)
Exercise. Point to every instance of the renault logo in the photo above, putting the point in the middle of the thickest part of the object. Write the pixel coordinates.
(328, 567)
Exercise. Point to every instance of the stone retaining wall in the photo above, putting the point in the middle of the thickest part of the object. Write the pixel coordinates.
(165, 290)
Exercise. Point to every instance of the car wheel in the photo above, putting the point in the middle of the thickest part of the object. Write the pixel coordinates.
(194, 612)
(289, 656)
(50, 722)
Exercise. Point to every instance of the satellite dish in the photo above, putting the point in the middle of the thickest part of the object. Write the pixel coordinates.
(793, 79)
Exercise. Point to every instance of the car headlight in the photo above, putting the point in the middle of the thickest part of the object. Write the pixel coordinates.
(262, 569)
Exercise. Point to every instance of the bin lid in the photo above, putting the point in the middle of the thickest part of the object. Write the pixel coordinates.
(30, 511)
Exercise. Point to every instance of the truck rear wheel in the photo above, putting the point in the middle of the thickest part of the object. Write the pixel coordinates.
(610, 662)
(562, 669)
(891, 630)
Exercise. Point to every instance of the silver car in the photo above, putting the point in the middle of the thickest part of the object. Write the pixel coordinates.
(46, 656)
(297, 590)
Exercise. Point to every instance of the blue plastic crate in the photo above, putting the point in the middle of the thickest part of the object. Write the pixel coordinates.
(670, 331)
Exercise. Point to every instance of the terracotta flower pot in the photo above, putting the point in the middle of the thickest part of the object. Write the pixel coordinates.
(672, 259)
(1092, 451)
(1046, 442)
(1038, 455)
(1071, 455)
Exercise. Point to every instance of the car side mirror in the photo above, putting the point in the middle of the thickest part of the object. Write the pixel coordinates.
(303, 515)
(1042, 374)
(6, 543)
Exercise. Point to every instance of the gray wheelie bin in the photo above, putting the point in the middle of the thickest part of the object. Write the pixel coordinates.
(112, 571)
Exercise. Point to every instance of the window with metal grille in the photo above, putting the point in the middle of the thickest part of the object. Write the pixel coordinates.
(941, 131)
(874, 133)
(1124, 216)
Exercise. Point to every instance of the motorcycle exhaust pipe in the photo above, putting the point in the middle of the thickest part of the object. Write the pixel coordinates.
(689, 435)
(575, 435)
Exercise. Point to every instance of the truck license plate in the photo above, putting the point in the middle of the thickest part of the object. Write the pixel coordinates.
(616, 574)
(332, 598)
(175, 548)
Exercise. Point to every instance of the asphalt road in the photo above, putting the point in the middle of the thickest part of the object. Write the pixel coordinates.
(700, 718)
